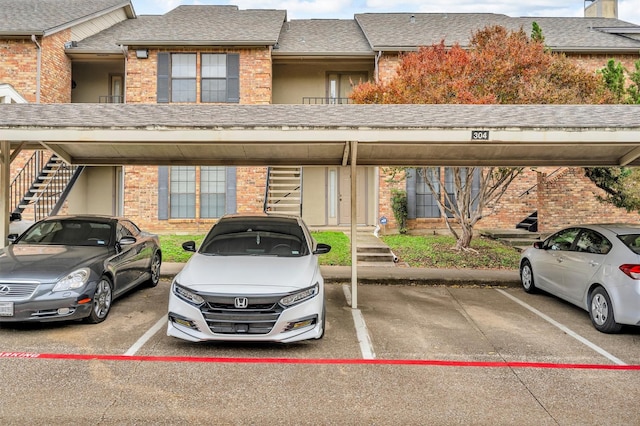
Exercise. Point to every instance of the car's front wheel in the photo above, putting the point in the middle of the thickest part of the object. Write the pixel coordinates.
(102, 299)
(154, 270)
(601, 312)
(526, 277)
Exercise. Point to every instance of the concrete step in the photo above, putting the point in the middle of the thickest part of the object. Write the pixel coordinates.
(376, 257)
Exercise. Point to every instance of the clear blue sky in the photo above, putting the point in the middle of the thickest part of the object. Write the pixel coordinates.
(628, 10)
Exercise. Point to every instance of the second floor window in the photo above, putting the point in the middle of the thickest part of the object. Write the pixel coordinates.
(217, 77)
(183, 77)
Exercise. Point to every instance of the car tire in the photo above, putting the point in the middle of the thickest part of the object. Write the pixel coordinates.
(526, 277)
(154, 270)
(601, 312)
(101, 304)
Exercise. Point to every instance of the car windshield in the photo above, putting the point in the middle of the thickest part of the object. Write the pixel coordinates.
(632, 241)
(68, 232)
(268, 238)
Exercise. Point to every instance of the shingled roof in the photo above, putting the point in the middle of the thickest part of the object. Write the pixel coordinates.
(322, 37)
(206, 25)
(407, 31)
(26, 17)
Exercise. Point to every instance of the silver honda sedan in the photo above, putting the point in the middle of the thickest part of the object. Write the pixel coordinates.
(596, 267)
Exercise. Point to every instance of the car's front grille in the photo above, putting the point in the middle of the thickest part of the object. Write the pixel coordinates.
(17, 290)
(258, 317)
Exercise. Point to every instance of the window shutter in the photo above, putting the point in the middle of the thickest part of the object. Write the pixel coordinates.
(411, 193)
(233, 78)
(230, 202)
(163, 193)
(163, 78)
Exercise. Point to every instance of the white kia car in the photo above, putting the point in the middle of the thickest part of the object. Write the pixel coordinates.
(596, 267)
(254, 278)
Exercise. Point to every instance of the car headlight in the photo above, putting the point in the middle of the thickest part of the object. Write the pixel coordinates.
(187, 296)
(74, 280)
(300, 296)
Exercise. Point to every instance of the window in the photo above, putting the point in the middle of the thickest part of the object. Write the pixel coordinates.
(592, 242)
(182, 194)
(179, 77)
(422, 203)
(212, 191)
(426, 203)
(191, 192)
(219, 79)
(183, 77)
(562, 240)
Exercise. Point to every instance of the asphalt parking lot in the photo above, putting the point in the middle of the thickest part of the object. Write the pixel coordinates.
(408, 355)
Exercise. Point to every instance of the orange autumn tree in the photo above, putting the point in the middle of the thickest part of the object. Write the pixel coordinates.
(499, 67)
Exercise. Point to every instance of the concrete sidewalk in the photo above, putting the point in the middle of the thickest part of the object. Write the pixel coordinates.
(400, 275)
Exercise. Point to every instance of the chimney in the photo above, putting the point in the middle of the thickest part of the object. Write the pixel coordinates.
(601, 9)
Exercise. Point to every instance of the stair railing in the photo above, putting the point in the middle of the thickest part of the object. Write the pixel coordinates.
(22, 183)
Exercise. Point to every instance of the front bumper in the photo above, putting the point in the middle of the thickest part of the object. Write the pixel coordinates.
(300, 322)
(47, 306)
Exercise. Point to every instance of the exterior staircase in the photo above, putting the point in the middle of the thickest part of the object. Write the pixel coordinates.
(372, 251)
(284, 191)
(42, 185)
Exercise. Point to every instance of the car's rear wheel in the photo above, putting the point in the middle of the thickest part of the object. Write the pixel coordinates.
(154, 270)
(102, 299)
(601, 312)
(526, 277)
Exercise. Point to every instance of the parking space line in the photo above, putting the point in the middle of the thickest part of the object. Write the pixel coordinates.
(362, 333)
(570, 332)
(146, 336)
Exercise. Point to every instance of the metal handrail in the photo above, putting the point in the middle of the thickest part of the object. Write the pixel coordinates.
(325, 100)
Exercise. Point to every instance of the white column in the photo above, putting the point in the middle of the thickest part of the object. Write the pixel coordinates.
(5, 174)
(354, 226)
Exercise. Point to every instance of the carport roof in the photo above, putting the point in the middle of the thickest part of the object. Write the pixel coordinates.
(386, 135)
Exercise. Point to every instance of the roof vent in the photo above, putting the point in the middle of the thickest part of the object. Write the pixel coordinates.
(412, 19)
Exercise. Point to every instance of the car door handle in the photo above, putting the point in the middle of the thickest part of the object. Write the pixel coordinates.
(560, 259)
(593, 263)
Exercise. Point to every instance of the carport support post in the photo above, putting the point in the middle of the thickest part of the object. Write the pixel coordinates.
(354, 227)
(5, 173)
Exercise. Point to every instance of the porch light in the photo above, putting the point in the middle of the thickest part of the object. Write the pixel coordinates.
(142, 53)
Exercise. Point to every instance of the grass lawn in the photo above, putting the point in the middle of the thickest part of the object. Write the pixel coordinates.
(426, 251)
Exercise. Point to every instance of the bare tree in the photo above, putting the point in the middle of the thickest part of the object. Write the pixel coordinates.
(469, 202)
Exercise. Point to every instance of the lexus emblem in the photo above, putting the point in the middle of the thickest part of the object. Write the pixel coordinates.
(4, 290)
(241, 302)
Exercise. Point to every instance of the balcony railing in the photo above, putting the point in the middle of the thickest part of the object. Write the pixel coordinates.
(108, 99)
(325, 100)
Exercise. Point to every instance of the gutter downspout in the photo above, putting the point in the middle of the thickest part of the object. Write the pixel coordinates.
(38, 66)
(376, 68)
(125, 50)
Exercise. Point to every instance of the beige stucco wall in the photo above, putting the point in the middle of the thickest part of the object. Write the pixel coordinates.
(293, 81)
(92, 79)
(94, 192)
(314, 196)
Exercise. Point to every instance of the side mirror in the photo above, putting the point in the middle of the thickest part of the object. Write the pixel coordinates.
(538, 244)
(322, 248)
(12, 238)
(189, 246)
(127, 241)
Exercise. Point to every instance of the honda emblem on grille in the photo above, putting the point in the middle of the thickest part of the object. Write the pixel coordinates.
(4, 290)
(241, 302)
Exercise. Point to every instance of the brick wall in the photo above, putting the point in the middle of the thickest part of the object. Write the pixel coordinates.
(141, 188)
(56, 69)
(255, 75)
(18, 66)
(570, 197)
